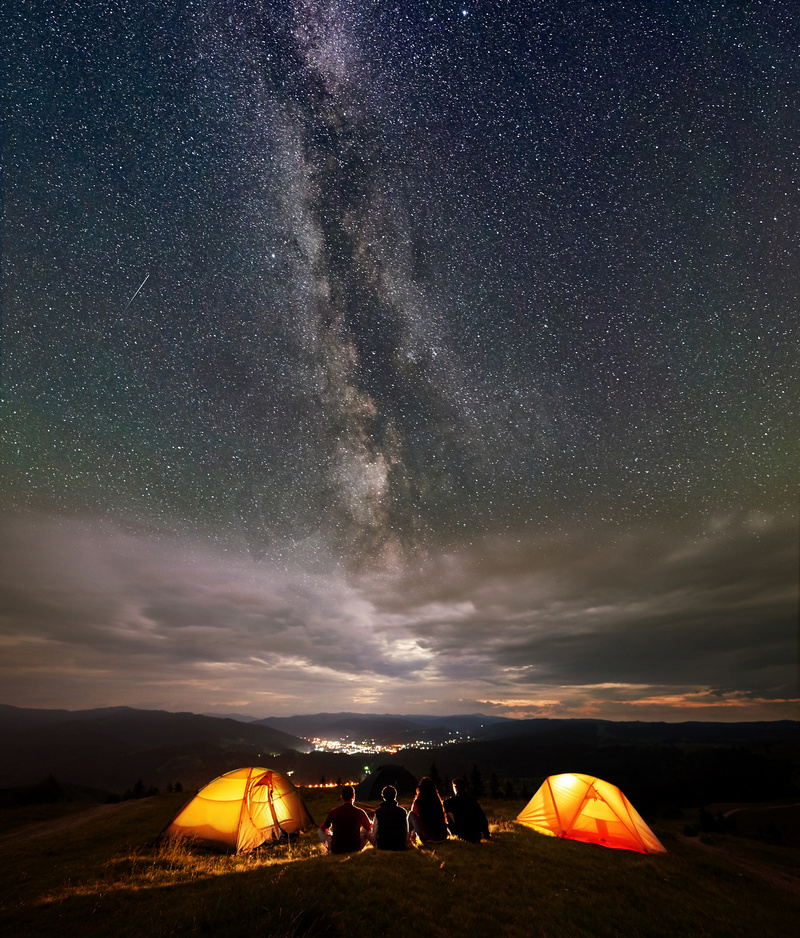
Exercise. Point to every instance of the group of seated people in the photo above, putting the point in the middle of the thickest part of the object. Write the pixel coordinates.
(347, 828)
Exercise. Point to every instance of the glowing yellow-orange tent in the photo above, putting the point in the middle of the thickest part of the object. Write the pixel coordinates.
(240, 810)
(582, 807)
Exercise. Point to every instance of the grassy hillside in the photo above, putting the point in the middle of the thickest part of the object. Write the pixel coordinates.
(106, 878)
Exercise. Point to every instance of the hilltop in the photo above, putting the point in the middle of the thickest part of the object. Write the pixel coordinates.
(108, 876)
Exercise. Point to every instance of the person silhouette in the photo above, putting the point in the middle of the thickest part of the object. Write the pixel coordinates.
(465, 816)
(390, 824)
(346, 828)
(426, 817)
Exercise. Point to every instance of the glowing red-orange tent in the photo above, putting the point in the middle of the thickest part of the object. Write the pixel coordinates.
(582, 807)
(240, 810)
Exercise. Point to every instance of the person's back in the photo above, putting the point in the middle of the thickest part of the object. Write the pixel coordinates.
(427, 817)
(390, 825)
(350, 825)
(466, 818)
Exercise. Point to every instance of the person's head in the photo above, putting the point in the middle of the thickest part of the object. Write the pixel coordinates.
(428, 798)
(459, 785)
(348, 793)
(389, 793)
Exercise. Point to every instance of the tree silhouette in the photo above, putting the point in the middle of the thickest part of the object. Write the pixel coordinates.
(476, 782)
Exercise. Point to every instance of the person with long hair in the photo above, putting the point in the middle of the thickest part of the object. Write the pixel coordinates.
(426, 817)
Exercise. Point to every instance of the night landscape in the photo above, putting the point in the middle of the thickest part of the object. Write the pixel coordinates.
(400, 383)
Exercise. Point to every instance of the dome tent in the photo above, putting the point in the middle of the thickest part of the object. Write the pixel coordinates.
(582, 807)
(371, 787)
(241, 810)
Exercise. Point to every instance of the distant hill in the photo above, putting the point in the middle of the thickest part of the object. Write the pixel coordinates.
(406, 729)
(240, 717)
(609, 732)
(111, 748)
(655, 764)
(385, 729)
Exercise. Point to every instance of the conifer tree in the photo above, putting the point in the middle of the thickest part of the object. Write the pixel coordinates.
(476, 782)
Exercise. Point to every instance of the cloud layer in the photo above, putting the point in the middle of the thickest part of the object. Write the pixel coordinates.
(632, 625)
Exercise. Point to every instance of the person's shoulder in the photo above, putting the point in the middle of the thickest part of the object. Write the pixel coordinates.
(329, 816)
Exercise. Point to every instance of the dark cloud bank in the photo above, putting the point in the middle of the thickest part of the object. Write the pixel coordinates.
(638, 625)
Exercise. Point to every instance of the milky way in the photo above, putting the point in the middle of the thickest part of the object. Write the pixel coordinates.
(371, 295)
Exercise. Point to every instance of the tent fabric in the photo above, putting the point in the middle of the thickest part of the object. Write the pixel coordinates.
(241, 810)
(585, 808)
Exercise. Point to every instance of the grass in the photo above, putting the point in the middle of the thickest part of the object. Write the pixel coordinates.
(36, 813)
(109, 877)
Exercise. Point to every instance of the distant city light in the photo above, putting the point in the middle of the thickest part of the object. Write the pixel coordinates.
(329, 784)
(370, 747)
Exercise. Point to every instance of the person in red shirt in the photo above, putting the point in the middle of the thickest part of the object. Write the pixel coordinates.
(346, 828)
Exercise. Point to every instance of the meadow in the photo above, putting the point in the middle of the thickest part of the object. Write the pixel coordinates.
(109, 876)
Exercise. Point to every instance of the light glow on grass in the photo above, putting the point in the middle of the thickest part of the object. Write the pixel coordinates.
(174, 861)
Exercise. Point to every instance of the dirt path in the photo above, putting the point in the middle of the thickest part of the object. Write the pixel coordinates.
(48, 828)
(772, 875)
(769, 807)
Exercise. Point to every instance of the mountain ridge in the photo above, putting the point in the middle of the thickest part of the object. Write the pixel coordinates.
(112, 748)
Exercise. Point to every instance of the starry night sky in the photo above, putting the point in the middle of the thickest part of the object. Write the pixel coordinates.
(401, 357)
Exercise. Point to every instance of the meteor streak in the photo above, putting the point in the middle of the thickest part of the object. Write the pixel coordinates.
(136, 293)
